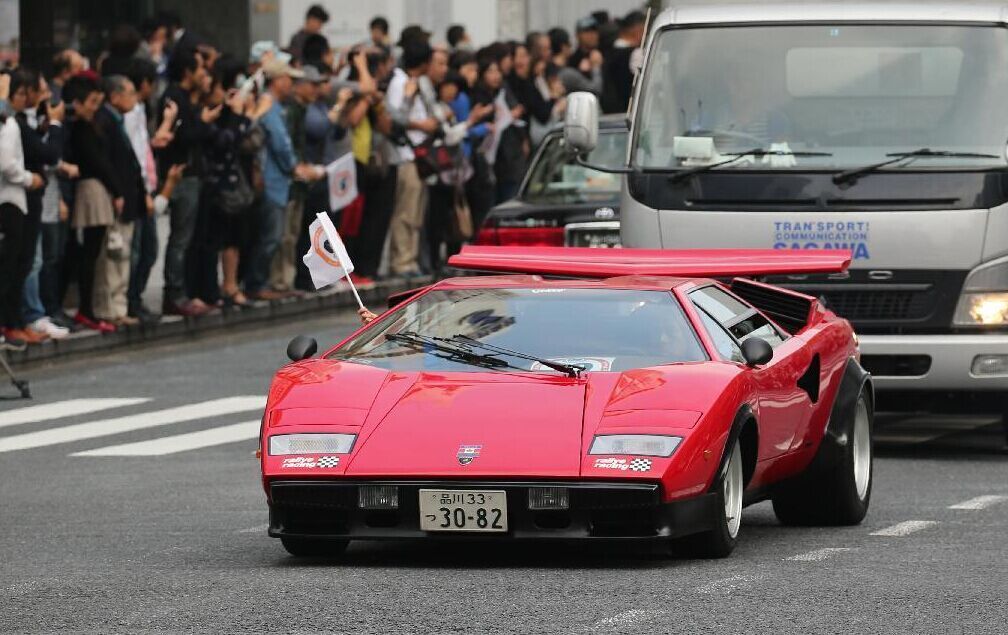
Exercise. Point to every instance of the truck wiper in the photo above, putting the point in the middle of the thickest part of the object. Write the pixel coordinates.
(572, 370)
(850, 176)
(453, 353)
(737, 156)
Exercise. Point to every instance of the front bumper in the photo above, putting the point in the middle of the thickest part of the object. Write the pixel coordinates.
(947, 367)
(329, 509)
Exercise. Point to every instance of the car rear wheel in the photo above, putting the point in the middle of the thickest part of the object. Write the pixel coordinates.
(720, 541)
(313, 547)
(837, 496)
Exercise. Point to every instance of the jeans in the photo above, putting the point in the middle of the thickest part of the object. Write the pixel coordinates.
(54, 243)
(270, 226)
(184, 206)
(143, 254)
(32, 307)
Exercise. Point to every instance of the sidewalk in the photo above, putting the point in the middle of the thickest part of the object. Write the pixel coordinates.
(173, 326)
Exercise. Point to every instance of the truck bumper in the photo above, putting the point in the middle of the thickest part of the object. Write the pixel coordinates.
(932, 362)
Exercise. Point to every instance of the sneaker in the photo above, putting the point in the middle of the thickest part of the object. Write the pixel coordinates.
(95, 325)
(64, 320)
(46, 326)
(11, 343)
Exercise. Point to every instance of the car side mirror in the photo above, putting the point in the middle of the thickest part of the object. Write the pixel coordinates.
(301, 347)
(756, 351)
(580, 129)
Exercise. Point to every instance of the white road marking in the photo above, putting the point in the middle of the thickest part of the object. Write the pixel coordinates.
(727, 584)
(181, 442)
(627, 618)
(58, 409)
(980, 502)
(191, 412)
(905, 528)
(258, 529)
(819, 554)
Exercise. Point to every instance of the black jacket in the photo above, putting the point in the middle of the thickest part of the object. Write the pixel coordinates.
(40, 150)
(123, 160)
(190, 133)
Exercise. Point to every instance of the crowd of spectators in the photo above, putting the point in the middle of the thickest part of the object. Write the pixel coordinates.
(233, 149)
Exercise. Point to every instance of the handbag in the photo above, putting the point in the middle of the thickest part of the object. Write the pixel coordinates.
(238, 198)
(433, 157)
(115, 244)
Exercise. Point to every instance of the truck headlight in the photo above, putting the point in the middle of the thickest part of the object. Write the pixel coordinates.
(639, 444)
(984, 301)
(284, 444)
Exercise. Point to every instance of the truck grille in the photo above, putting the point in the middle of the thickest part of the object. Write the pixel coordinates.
(880, 304)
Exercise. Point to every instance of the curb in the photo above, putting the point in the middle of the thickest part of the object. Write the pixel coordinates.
(176, 326)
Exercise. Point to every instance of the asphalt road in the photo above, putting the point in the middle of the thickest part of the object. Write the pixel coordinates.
(109, 541)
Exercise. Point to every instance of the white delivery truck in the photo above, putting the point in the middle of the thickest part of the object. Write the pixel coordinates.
(878, 127)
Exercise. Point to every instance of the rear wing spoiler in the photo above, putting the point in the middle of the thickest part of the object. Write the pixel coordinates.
(586, 262)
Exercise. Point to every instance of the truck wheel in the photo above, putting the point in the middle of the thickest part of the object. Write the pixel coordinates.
(313, 547)
(720, 541)
(837, 496)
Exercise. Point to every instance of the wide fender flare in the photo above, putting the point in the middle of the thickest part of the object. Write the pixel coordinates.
(833, 445)
(744, 414)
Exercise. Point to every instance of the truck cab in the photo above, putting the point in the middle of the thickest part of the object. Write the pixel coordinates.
(877, 127)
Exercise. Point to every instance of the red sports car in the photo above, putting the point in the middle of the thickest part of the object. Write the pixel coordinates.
(612, 394)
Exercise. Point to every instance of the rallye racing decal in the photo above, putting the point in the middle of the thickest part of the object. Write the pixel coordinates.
(466, 453)
(301, 462)
(634, 465)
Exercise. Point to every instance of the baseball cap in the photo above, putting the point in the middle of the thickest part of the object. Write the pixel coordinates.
(278, 68)
(311, 74)
(587, 24)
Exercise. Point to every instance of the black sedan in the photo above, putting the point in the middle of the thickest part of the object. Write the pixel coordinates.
(563, 203)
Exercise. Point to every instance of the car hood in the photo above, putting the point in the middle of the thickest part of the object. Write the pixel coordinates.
(481, 424)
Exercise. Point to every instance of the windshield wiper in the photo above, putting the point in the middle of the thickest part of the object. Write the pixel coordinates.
(572, 370)
(738, 156)
(453, 353)
(850, 176)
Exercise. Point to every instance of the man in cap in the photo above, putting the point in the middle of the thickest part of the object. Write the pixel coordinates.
(587, 47)
(305, 92)
(279, 165)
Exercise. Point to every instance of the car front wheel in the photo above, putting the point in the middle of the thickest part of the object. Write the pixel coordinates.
(720, 541)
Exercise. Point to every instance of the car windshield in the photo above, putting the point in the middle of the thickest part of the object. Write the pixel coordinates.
(856, 92)
(597, 329)
(557, 179)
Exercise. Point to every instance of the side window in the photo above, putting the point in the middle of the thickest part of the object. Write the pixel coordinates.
(740, 319)
(723, 342)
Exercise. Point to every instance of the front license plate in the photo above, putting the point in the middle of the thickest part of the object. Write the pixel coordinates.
(463, 510)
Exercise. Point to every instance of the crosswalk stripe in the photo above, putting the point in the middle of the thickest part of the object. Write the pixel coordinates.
(67, 408)
(181, 442)
(980, 502)
(129, 423)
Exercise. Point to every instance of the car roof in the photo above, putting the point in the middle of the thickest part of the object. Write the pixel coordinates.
(800, 12)
(644, 283)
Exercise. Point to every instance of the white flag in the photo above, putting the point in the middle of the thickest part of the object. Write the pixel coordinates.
(327, 258)
(342, 177)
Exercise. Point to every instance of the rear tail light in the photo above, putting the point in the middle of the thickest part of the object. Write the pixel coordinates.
(530, 236)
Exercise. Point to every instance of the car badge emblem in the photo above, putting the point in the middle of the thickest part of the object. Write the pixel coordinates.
(466, 453)
(605, 212)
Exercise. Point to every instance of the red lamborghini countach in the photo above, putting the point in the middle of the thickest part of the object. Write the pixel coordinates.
(599, 394)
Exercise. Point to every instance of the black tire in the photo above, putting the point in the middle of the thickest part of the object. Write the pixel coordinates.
(832, 496)
(313, 547)
(720, 541)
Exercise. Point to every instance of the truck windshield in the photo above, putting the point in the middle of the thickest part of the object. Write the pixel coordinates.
(854, 92)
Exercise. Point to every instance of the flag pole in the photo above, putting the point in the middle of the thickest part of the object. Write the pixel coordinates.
(356, 295)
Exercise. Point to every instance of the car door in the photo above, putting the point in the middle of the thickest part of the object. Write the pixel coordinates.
(783, 407)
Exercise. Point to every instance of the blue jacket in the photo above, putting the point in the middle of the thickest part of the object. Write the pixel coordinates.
(278, 158)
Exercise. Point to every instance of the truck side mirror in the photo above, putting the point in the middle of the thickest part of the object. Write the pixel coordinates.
(301, 347)
(580, 129)
(756, 351)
